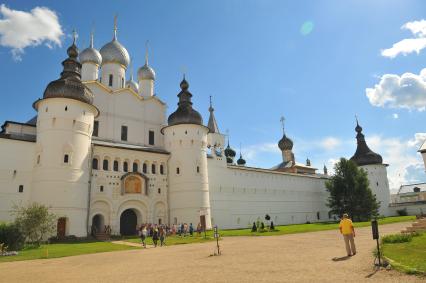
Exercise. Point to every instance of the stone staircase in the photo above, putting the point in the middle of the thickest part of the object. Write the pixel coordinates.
(418, 226)
(102, 236)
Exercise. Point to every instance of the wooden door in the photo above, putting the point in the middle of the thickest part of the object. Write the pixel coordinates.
(61, 227)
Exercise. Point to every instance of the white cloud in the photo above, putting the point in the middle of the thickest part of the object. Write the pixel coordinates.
(20, 29)
(395, 115)
(409, 45)
(406, 91)
(330, 143)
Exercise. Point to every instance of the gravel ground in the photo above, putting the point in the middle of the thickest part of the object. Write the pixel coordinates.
(306, 257)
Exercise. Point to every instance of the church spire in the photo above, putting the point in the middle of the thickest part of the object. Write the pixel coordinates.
(115, 28)
(212, 124)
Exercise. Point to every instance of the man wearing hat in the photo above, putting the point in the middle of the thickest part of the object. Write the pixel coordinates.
(347, 230)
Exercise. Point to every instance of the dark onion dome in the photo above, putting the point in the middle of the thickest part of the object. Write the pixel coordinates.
(185, 114)
(285, 143)
(90, 54)
(69, 85)
(363, 154)
(229, 152)
(241, 161)
(114, 52)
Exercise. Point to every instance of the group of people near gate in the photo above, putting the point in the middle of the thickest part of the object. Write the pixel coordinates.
(159, 232)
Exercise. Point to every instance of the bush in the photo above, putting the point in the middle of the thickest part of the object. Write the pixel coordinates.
(398, 238)
(11, 237)
(402, 212)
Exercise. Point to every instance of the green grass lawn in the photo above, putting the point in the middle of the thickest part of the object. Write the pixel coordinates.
(302, 228)
(62, 250)
(410, 256)
(175, 240)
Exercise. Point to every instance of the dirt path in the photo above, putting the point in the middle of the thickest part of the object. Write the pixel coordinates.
(289, 258)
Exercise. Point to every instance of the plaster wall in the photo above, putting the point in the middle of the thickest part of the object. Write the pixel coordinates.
(379, 185)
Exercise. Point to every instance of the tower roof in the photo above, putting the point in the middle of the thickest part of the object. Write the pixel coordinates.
(91, 54)
(185, 114)
(212, 124)
(363, 154)
(69, 85)
(146, 72)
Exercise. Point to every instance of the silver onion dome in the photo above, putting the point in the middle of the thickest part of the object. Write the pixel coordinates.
(132, 84)
(90, 54)
(146, 73)
(114, 52)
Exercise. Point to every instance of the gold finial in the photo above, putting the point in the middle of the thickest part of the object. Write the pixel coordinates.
(282, 120)
(115, 27)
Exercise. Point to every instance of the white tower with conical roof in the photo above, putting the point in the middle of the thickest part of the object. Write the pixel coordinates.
(186, 140)
(64, 128)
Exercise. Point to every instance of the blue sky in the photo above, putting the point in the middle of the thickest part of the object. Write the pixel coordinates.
(310, 61)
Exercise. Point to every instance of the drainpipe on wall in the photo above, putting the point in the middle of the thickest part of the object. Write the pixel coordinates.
(89, 188)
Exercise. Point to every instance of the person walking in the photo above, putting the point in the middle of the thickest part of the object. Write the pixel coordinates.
(162, 236)
(191, 229)
(155, 236)
(347, 230)
(144, 233)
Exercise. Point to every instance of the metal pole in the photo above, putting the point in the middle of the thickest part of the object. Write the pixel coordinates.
(378, 252)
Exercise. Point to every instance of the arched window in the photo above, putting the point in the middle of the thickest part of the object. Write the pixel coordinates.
(159, 190)
(198, 169)
(135, 167)
(125, 166)
(110, 80)
(66, 158)
(153, 169)
(144, 168)
(115, 165)
(95, 163)
(177, 170)
(105, 165)
(122, 82)
(161, 169)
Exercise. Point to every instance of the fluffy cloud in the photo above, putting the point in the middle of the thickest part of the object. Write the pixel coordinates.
(409, 45)
(20, 29)
(330, 143)
(406, 91)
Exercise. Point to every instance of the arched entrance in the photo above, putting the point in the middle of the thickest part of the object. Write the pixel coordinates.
(61, 227)
(98, 223)
(128, 222)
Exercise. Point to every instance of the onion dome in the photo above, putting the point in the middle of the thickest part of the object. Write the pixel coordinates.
(146, 72)
(114, 52)
(185, 114)
(132, 84)
(241, 161)
(69, 85)
(90, 54)
(363, 154)
(285, 143)
(229, 152)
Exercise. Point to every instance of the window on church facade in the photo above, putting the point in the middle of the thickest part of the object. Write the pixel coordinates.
(115, 166)
(125, 166)
(153, 168)
(198, 169)
(177, 170)
(66, 158)
(95, 163)
(124, 133)
(144, 168)
(122, 82)
(110, 80)
(38, 159)
(105, 165)
(162, 169)
(159, 190)
(101, 189)
(96, 129)
(21, 189)
(135, 167)
(151, 137)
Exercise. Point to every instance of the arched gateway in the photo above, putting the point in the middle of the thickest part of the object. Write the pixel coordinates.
(128, 222)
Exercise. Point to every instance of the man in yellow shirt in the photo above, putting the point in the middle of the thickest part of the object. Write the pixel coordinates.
(348, 232)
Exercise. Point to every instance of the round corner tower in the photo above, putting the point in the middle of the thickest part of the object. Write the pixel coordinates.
(373, 164)
(64, 129)
(186, 140)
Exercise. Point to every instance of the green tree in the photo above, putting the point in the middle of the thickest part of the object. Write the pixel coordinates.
(35, 222)
(350, 193)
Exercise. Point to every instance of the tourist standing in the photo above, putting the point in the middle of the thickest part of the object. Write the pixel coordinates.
(347, 230)
(162, 236)
(191, 229)
(144, 233)
(199, 229)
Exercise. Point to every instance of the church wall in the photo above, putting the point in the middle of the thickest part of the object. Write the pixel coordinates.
(241, 195)
(16, 166)
(125, 108)
(107, 197)
(412, 208)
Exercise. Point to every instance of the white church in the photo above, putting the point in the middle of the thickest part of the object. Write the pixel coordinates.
(101, 153)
